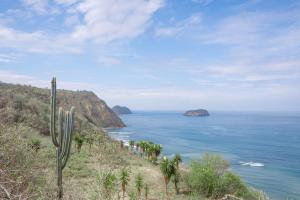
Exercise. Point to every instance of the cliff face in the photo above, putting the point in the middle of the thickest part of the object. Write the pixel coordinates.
(121, 110)
(30, 105)
(91, 108)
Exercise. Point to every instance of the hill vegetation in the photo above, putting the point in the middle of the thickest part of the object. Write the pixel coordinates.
(98, 167)
(30, 106)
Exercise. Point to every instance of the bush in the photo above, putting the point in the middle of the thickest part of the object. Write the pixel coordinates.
(79, 139)
(202, 179)
(35, 144)
(16, 162)
(209, 177)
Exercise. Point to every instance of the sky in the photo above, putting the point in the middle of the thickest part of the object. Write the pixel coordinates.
(158, 54)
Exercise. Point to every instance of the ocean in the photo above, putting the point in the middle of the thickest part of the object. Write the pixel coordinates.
(264, 148)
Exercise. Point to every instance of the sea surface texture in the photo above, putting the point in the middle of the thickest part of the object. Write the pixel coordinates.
(264, 148)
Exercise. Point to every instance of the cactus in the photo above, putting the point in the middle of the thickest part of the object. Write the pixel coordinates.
(63, 137)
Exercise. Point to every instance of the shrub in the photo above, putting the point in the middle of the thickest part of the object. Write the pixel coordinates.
(209, 177)
(79, 139)
(35, 144)
(215, 162)
(202, 179)
(16, 162)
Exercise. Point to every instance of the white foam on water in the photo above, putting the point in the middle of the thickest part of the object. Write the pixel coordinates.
(252, 164)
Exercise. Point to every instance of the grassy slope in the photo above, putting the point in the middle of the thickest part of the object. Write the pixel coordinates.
(81, 175)
(24, 111)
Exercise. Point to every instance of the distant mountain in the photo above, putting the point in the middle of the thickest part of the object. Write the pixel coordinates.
(197, 113)
(121, 110)
(30, 106)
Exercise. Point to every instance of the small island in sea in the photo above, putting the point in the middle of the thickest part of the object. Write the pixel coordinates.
(121, 110)
(196, 113)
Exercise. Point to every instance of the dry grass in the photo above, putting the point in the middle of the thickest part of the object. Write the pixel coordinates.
(26, 174)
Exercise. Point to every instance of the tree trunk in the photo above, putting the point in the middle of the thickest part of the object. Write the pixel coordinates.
(176, 187)
(123, 190)
(166, 184)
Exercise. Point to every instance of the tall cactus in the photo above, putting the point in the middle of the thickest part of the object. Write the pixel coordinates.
(63, 137)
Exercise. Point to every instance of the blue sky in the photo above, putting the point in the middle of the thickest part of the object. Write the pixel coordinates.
(158, 54)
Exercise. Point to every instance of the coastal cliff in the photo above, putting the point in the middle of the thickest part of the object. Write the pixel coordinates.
(121, 110)
(197, 113)
(30, 106)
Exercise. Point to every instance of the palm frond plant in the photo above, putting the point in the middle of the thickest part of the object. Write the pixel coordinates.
(109, 182)
(157, 150)
(146, 191)
(139, 184)
(124, 178)
(177, 160)
(168, 169)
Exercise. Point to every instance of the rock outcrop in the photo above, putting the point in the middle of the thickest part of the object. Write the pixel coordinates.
(121, 110)
(197, 113)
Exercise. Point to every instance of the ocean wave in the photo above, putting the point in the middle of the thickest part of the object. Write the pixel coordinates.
(120, 133)
(252, 164)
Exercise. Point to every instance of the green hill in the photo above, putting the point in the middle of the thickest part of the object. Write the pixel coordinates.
(30, 105)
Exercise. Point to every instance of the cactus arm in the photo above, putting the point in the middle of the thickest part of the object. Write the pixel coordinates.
(61, 114)
(68, 139)
(65, 135)
(52, 113)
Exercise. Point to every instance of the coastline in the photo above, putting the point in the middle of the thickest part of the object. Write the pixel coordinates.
(256, 136)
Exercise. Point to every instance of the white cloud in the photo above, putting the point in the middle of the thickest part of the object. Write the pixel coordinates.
(179, 26)
(109, 20)
(109, 60)
(41, 7)
(88, 22)
(37, 41)
(219, 97)
(7, 58)
(17, 78)
(66, 2)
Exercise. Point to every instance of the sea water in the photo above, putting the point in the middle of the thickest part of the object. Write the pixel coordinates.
(264, 148)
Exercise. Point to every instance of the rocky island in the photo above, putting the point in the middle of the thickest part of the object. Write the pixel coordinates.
(197, 113)
(121, 110)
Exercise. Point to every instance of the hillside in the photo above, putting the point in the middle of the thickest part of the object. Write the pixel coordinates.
(30, 105)
(121, 110)
(95, 171)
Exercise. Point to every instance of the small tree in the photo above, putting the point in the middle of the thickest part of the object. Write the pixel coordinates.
(132, 196)
(109, 182)
(168, 169)
(139, 184)
(177, 160)
(131, 143)
(176, 179)
(124, 178)
(146, 191)
(79, 142)
(157, 148)
(90, 140)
